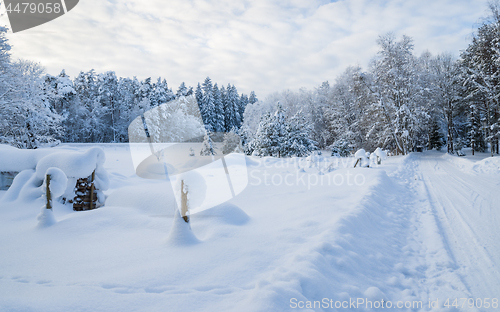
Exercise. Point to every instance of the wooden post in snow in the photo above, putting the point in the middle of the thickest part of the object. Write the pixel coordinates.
(47, 192)
(184, 203)
(92, 187)
(359, 160)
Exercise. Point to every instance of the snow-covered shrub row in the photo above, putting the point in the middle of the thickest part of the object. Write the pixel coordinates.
(366, 159)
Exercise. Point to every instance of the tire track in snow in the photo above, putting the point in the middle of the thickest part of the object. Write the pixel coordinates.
(459, 201)
(427, 257)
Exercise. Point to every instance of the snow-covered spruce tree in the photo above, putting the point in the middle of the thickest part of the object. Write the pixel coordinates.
(435, 136)
(207, 107)
(182, 91)
(207, 147)
(476, 137)
(199, 95)
(231, 101)
(145, 89)
(252, 98)
(241, 107)
(298, 132)
(278, 133)
(261, 144)
(218, 110)
(280, 137)
(161, 93)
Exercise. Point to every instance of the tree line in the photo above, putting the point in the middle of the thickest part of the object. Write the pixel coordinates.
(402, 102)
(38, 108)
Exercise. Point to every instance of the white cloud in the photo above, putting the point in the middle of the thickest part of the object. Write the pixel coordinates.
(258, 45)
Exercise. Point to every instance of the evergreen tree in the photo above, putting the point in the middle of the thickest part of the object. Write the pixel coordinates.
(146, 89)
(475, 133)
(298, 133)
(182, 91)
(199, 95)
(262, 145)
(161, 93)
(218, 110)
(231, 103)
(207, 108)
(207, 148)
(242, 106)
(271, 136)
(435, 136)
(252, 98)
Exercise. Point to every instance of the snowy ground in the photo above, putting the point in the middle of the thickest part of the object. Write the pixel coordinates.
(418, 228)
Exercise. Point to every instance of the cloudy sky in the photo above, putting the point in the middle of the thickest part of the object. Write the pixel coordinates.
(261, 45)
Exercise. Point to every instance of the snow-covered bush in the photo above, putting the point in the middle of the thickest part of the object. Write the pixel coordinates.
(381, 154)
(361, 158)
(174, 121)
(341, 148)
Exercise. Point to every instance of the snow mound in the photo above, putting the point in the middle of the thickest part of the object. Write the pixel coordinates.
(374, 294)
(14, 159)
(45, 218)
(373, 160)
(489, 165)
(17, 185)
(380, 153)
(252, 163)
(153, 199)
(226, 213)
(181, 233)
(77, 165)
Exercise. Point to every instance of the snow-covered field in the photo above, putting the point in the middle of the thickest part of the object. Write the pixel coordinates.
(415, 231)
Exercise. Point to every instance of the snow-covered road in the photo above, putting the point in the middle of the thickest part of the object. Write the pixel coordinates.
(466, 205)
(417, 230)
